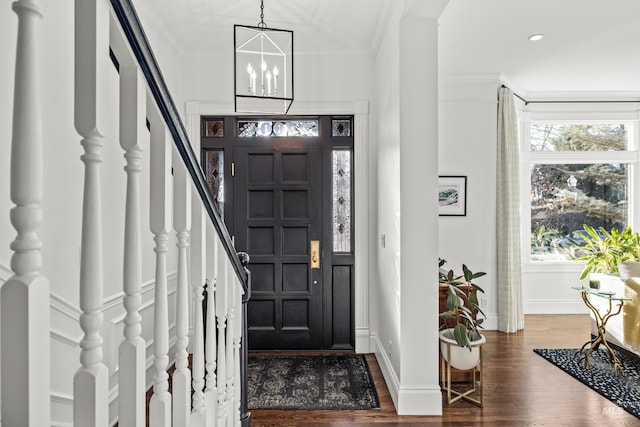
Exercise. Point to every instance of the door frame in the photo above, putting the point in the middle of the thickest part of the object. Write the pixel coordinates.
(360, 111)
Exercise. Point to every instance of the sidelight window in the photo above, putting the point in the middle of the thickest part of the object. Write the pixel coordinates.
(214, 174)
(341, 195)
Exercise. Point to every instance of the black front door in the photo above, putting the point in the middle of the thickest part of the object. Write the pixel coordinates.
(282, 183)
(277, 215)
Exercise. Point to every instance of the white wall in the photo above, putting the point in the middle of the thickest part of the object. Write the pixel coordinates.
(406, 110)
(8, 31)
(388, 169)
(467, 146)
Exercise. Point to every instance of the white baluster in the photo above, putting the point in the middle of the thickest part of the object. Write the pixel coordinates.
(91, 382)
(237, 342)
(230, 394)
(132, 350)
(25, 296)
(211, 392)
(237, 389)
(182, 225)
(160, 219)
(198, 275)
(221, 310)
(222, 369)
(198, 255)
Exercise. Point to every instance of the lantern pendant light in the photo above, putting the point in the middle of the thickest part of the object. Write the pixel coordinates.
(263, 67)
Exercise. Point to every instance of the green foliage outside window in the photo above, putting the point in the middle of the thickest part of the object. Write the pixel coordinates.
(566, 196)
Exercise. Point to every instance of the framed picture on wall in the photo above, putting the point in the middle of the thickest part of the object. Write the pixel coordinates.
(452, 195)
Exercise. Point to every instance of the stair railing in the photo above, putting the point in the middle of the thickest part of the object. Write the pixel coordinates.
(180, 209)
(221, 400)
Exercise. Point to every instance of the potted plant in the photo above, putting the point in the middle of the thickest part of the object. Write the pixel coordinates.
(604, 250)
(612, 262)
(462, 319)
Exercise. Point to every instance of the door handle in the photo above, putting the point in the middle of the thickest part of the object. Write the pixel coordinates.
(315, 253)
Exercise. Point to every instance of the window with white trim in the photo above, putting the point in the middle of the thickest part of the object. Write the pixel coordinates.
(577, 169)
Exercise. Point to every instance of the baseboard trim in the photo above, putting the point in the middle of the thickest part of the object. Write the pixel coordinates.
(555, 307)
(389, 374)
(363, 340)
(490, 322)
(420, 401)
(407, 400)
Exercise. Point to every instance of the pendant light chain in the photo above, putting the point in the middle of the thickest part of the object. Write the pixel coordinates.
(262, 24)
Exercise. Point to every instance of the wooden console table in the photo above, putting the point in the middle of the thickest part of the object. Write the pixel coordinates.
(601, 323)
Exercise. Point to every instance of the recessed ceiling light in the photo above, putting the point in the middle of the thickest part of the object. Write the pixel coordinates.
(535, 37)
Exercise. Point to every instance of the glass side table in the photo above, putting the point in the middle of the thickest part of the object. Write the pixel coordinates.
(601, 319)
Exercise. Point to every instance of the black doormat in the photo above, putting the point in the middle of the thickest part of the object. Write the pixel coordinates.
(623, 390)
(311, 382)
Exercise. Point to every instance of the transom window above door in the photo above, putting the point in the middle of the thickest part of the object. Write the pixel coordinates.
(214, 128)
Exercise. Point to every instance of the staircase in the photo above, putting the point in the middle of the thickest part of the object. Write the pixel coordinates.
(171, 221)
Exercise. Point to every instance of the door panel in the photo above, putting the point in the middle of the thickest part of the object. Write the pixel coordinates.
(277, 212)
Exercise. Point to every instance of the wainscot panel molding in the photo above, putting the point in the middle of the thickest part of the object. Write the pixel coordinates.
(65, 338)
(115, 300)
(5, 273)
(65, 318)
(113, 391)
(65, 329)
(61, 407)
(114, 311)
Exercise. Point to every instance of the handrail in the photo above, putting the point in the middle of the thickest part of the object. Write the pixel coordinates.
(139, 43)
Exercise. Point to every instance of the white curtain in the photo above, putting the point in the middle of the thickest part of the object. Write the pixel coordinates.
(510, 313)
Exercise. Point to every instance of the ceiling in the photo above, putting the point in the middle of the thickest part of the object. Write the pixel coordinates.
(588, 46)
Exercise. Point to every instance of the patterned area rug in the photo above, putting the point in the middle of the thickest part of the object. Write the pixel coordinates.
(311, 382)
(624, 390)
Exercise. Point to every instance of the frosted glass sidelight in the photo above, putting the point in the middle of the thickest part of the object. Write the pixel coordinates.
(214, 173)
(341, 196)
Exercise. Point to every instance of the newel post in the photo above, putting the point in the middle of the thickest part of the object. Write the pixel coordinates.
(245, 415)
(25, 296)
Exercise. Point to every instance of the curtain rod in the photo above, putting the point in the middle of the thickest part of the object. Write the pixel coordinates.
(526, 102)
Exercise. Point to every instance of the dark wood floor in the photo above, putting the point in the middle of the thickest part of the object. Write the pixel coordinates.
(521, 388)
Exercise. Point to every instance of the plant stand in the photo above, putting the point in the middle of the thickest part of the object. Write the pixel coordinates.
(601, 323)
(476, 380)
